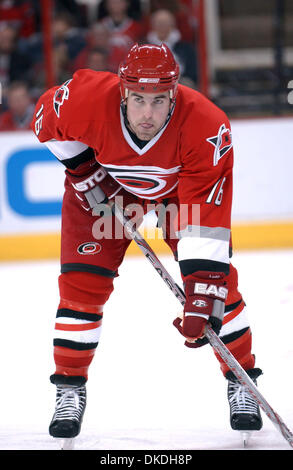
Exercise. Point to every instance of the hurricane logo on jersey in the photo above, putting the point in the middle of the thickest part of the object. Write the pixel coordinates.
(89, 248)
(222, 143)
(60, 95)
(148, 182)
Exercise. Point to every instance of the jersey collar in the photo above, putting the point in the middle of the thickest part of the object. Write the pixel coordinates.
(150, 144)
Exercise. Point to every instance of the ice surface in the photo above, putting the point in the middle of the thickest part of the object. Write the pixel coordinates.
(145, 390)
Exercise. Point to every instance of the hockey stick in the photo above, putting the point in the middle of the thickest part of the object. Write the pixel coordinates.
(212, 337)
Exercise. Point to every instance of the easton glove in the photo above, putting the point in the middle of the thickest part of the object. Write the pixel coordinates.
(92, 184)
(205, 302)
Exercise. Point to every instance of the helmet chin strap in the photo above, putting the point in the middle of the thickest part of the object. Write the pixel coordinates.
(124, 111)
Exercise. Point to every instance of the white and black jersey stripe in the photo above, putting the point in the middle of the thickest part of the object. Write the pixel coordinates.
(203, 249)
(70, 153)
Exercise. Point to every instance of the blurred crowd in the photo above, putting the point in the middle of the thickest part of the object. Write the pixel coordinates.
(93, 35)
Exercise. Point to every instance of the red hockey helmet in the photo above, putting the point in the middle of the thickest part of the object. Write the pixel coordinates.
(149, 68)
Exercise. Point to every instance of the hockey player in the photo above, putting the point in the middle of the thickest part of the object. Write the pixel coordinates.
(144, 138)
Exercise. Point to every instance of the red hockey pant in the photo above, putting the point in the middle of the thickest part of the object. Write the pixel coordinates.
(88, 268)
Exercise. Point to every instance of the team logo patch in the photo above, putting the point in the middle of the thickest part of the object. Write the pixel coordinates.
(200, 303)
(137, 182)
(222, 143)
(89, 248)
(60, 96)
(145, 181)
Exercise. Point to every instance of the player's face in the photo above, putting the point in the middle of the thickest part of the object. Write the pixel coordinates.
(147, 113)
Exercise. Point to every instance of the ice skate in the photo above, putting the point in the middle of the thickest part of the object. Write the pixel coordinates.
(67, 419)
(245, 414)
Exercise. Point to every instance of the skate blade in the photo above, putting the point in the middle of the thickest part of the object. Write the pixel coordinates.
(65, 443)
(245, 436)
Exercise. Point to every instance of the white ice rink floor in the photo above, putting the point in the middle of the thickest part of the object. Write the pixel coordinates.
(145, 390)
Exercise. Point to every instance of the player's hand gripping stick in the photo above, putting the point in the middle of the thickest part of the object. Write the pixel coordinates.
(205, 303)
(92, 185)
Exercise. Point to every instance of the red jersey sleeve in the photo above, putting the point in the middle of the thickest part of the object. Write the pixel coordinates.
(205, 191)
(69, 118)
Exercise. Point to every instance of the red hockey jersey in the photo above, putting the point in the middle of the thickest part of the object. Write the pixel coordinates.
(191, 157)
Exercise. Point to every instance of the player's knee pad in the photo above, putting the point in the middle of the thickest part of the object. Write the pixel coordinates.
(79, 321)
(85, 287)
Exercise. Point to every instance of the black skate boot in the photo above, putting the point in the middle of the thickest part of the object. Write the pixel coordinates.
(244, 411)
(69, 410)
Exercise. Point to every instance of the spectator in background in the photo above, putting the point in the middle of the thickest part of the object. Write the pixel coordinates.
(66, 34)
(97, 60)
(20, 15)
(184, 13)
(123, 31)
(163, 30)
(20, 108)
(98, 38)
(73, 8)
(14, 63)
(134, 9)
(68, 42)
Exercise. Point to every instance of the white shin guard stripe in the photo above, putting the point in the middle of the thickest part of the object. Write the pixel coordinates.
(79, 336)
(235, 324)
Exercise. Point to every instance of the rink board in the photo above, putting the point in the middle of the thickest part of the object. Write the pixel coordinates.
(245, 237)
(32, 186)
